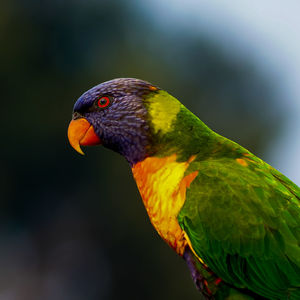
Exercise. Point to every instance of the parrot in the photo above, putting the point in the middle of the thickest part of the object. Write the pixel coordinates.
(233, 218)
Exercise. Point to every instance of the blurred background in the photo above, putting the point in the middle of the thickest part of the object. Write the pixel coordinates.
(74, 227)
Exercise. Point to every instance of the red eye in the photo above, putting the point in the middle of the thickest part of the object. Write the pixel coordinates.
(103, 102)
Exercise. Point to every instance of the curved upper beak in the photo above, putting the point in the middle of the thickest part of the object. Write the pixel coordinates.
(81, 132)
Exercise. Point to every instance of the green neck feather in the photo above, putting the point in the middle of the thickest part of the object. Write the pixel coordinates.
(177, 130)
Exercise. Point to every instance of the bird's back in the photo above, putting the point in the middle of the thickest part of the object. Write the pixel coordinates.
(243, 220)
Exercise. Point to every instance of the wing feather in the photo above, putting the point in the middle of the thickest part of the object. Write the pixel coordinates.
(243, 220)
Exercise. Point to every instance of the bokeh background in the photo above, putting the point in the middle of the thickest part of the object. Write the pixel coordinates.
(74, 227)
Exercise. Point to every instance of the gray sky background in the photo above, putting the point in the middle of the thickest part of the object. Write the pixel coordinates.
(268, 31)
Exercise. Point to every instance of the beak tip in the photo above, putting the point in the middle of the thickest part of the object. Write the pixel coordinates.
(78, 149)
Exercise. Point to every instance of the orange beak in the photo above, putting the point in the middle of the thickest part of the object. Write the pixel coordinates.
(81, 132)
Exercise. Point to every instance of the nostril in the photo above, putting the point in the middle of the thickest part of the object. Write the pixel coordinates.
(76, 115)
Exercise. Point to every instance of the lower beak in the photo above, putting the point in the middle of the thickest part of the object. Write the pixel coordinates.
(81, 132)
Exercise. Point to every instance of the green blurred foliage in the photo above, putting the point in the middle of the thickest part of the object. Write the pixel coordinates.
(74, 227)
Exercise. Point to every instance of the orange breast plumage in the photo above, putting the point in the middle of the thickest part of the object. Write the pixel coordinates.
(162, 185)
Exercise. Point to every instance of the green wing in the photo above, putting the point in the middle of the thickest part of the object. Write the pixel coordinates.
(243, 220)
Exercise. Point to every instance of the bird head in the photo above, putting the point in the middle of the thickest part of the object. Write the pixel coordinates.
(126, 115)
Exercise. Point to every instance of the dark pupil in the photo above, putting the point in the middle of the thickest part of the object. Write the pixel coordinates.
(103, 101)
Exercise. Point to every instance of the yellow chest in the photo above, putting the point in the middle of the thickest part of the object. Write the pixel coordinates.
(162, 185)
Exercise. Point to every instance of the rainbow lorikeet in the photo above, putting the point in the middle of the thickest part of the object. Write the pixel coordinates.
(233, 218)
